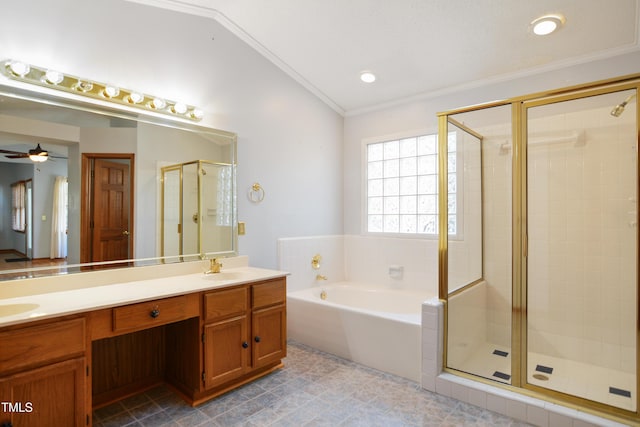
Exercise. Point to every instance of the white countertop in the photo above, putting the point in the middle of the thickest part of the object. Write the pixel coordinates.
(36, 306)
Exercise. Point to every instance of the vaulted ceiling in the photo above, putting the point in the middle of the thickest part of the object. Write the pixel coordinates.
(417, 47)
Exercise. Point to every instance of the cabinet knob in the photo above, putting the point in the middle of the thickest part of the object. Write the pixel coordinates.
(245, 344)
(154, 313)
(257, 338)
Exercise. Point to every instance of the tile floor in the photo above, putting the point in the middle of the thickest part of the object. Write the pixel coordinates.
(313, 389)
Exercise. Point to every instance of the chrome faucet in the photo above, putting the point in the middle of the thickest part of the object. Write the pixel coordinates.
(214, 266)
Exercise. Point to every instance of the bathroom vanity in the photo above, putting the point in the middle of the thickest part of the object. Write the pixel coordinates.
(67, 352)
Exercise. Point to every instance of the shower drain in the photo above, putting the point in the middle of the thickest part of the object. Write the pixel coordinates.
(541, 377)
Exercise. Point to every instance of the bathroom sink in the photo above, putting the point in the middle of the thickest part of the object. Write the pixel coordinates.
(13, 309)
(225, 275)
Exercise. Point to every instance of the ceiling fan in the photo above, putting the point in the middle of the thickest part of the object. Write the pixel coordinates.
(36, 155)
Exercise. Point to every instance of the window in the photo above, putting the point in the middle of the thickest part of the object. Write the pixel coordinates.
(402, 186)
(18, 210)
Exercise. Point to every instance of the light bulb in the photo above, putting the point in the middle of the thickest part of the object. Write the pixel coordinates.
(197, 113)
(135, 97)
(367, 77)
(83, 86)
(179, 108)
(53, 77)
(19, 68)
(158, 103)
(38, 158)
(110, 91)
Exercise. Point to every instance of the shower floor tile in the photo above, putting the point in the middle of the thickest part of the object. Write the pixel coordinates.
(584, 380)
(570, 377)
(485, 363)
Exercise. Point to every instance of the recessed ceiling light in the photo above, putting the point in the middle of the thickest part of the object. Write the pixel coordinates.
(367, 77)
(547, 24)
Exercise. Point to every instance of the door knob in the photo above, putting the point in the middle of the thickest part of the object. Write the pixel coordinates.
(125, 233)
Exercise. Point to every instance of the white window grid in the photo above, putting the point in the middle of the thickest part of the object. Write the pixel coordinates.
(402, 186)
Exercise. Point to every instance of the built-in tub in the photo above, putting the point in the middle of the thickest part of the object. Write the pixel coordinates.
(379, 327)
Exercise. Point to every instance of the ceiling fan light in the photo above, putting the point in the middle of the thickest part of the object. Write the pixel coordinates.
(39, 158)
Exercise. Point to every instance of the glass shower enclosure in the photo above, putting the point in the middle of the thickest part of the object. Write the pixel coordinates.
(541, 281)
(197, 209)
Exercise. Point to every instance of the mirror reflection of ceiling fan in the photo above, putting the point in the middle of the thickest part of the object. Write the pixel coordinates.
(36, 155)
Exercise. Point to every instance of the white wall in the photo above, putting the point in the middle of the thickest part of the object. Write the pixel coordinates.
(288, 140)
(421, 114)
(44, 178)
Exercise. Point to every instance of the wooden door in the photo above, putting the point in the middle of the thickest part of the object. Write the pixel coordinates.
(107, 207)
(50, 396)
(111, 220)
(226, 351)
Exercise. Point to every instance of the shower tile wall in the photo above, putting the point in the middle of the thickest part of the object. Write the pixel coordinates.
(497, 233)
(584, 197)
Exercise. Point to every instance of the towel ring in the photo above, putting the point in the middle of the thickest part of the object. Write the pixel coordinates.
(256, 193)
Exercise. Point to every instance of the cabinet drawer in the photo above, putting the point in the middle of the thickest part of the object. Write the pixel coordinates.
(37, 344)
(226, 303)
(151, 313)
(269, 293)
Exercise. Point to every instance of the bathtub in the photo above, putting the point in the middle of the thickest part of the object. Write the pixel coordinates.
(375, 326)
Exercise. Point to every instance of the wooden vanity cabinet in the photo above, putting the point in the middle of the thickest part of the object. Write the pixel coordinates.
(268, 322)
(226, 335)
(203, 344)
(44, 376)
(244, 333)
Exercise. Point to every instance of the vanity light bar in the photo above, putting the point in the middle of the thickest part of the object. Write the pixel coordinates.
(32, 74)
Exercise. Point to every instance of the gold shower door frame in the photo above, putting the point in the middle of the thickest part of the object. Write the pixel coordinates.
(180, 168)
(519, 108)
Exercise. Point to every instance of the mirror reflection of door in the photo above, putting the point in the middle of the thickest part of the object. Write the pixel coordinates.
(107, 207)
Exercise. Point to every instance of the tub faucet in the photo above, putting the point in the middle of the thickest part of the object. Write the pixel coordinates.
(321, 277)
(214, 266)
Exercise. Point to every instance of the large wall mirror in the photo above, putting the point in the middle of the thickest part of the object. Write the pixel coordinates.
(103, 197)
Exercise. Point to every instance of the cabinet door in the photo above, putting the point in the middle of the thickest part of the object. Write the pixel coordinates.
(269, 335)
(226, 350)
(50, 396)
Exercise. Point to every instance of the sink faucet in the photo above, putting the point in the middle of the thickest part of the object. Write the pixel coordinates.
(214, 266)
